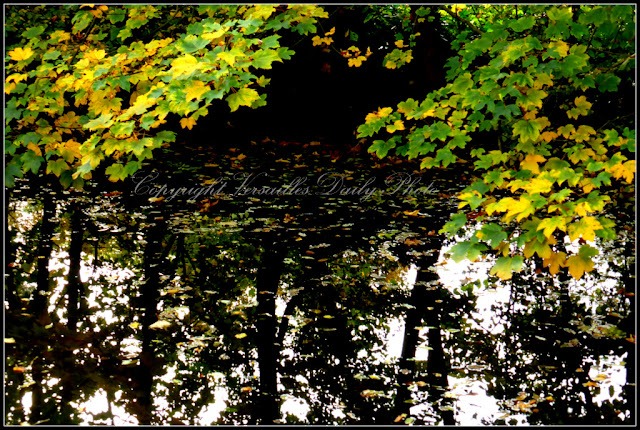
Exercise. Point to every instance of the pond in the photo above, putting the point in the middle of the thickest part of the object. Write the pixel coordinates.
(282, 282)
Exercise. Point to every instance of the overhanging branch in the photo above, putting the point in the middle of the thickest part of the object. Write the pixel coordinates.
(462, 20)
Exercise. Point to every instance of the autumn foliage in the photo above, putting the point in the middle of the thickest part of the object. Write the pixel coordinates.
(539, 100)
(535, 100)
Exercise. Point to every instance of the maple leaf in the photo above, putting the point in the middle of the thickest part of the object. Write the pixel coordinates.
(531, 161)
(106, 105)
(554, 262)
(586, 228)
(566, 130)
(626, 170)
(186, 64)
(103, 121)
(398, 125)
(412, 242)
(548, 136)
(244, 97)
(580, 263)
(583, 133)
(20, 54)
(582, 108)
(534, 246)
(357, 61)
(492, 233)
(196, 90)
(263, 58)
(528, 130)
(187, 123)
(538, 185)
(505, 266)
(549, 225)
(561, 47)
(95, 54)
(522, 208)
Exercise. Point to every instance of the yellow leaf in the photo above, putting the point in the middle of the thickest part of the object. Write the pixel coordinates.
(241, 335)
(17, 77)
(400, 44)
(582, 208)
(196, 90)
(626, 170)
(384, 112)
(20, 54)
(521, 208)
(590, 384)
(538, 185)
(586, 228)
(554, 262)
(187, 123)
(549, 225)
(356, 62)
(35, 148)
(186, 64)
(134, 325)
(95, 54)
(548, 136)
(566, 130)
(160, 325)
(531, 161)
(412, 213)
(398, 125)
(330, 32)
(582, 107)
(561, 46)
(578, 264)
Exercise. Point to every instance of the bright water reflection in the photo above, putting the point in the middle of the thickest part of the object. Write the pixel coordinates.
(527, 351)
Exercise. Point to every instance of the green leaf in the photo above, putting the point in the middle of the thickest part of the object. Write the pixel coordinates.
(263, 58)
(462, 83)
(470, 250)
(528, 130)
(11, 172)
(123, 129)
(382, 147)
(456, 223)
(607, 82)
(441, 131)
(492, 233)
(31, 161)
(244, 97)
(57, 167)
(116, 172)
(103, 121)
(523, 24)
(505, 266)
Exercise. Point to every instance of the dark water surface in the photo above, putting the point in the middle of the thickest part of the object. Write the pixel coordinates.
(296, 282)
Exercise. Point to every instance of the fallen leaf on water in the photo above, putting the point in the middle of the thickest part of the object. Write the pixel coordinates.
(400, 418)
(241, 335)
(160, 325)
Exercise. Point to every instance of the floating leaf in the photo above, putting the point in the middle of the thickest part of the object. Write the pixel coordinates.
(160, 325)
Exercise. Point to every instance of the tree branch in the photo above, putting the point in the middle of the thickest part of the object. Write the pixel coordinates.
(462, 20)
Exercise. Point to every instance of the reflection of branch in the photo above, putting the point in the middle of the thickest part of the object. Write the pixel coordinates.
(462, 20)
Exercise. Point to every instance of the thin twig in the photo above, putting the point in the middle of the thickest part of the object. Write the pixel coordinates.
(462, 20)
